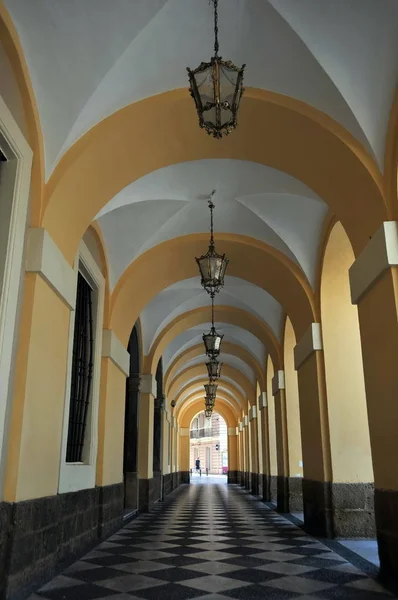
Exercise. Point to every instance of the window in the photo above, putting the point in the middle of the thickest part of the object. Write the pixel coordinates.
(82, 370)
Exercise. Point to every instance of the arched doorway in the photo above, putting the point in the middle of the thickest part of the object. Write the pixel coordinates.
(131, 481)
(352, 487)
(209, 445)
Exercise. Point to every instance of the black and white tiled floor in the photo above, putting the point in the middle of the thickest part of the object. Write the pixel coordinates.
(212, 542)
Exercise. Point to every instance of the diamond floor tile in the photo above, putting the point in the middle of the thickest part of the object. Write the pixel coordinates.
(212, 542)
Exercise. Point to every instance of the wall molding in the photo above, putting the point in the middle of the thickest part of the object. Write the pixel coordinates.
(309, 343)
(262, 401)
(379, 254)
(278, 382)
(45, 258)
(148, 384)
(113, 348)
(232, 431)
(252, 413)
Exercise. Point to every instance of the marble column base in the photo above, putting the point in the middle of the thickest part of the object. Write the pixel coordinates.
(273, 483)
(185, 477)
(131, 490)
(266, 488)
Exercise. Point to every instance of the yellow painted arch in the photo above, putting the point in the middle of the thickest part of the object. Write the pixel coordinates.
(224, 314)
(13, 49)
(278, 275)
(223, 409)
(223, 393)
(275, 130)
(194, 387)
(197, 370)
(227, 348)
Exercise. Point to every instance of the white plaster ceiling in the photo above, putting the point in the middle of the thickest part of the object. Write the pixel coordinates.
(188, 295)
(251, 200)
(225, 358)
(87, 59)
(232, 333)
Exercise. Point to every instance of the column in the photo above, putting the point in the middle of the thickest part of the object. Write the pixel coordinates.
(246, 451)
(263, 407)
(166, 454)
(282, 452)
(241, 454)
(254, 449)
(317, 500)
(157, 444)
(145, 442)
(131, 441)
(184, 439)
(233, 455)
(374, 288)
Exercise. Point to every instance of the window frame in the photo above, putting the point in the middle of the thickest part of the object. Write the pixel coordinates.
(16, 186)
(82, 475)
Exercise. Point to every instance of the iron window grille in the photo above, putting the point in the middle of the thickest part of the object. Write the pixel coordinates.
(82, 371)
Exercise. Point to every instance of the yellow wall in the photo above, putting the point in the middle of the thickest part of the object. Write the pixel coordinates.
(38, 408)
(348, 419)
(292, 403)
(111, 424)
(271, 419)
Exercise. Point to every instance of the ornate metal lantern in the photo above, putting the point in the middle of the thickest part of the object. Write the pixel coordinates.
(208, 413)
(214, 369)
(213, 339)
(210, 401)
(217, 88)
(212, 266)
(211, 389)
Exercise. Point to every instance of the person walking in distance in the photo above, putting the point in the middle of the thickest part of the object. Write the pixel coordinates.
(197, 464)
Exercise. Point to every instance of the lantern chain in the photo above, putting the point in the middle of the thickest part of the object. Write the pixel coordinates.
(216, 46)
(211, 206)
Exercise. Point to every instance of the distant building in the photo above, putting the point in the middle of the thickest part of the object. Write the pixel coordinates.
(209, 443)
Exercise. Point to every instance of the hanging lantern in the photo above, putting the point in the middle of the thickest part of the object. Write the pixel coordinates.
(211, 389)
(214, 369)
(208, 413)
(213, 339)
(217, 88)
(212, 266)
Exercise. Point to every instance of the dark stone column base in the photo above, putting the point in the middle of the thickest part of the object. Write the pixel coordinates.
(147, 494)
(167, 484)
(185, 477)
(266, 488)
(386, 512)
(232, 477)
(157, 485)
(295, 494)
(242, 478)
(274, 488)
(254, 483)
(39, 537)
(174, 479)
(247, 480)
(338, 509)
(353, 510)
(131, 490)
(317, 504)
(282, 494)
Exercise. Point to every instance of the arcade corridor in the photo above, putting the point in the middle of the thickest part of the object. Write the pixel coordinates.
(214, 542)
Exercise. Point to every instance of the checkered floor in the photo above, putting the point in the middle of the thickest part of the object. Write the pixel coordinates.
(212, 542)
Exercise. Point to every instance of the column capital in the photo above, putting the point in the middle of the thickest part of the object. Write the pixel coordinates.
(262, 400)
(232, 431)
(184, 431)
(309, 343)
(253, 413)
(148, 384)
(113, 349)
(380, 253)
(278, 382)
(240, 426)
(245, 421)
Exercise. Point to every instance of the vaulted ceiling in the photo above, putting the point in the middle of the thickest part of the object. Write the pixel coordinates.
(88, 59)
